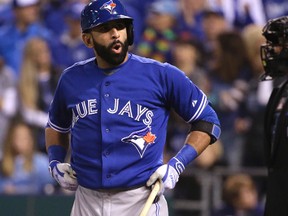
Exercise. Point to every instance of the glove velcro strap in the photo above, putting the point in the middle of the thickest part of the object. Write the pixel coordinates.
(185, 156)
(177, 165)
(56, 152)
(52, 164)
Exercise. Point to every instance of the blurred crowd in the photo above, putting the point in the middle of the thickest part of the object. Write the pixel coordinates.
(216, 43)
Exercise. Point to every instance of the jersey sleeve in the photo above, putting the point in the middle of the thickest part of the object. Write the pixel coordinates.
(60, 117)
(187, 99)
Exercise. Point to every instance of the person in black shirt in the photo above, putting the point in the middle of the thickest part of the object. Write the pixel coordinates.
(274, 55)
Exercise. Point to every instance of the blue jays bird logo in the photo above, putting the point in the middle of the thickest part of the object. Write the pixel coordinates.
(140, 139)
(109, 6)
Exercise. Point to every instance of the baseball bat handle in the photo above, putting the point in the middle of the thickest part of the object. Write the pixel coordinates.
(150, 199)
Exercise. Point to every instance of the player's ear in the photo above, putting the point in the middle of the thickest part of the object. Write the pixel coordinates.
(87, 39)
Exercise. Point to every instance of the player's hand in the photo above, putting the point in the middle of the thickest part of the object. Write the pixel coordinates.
(64, 175)
(168, 174)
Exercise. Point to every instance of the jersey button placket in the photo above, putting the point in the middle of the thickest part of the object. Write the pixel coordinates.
(106, 95)
(106, 84)
(106, 104)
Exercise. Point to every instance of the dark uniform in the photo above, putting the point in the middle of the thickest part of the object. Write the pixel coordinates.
(274, 55)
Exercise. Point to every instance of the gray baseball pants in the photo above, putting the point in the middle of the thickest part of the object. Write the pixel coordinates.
(112, 203)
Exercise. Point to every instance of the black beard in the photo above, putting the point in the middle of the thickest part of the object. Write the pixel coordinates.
(110, 57)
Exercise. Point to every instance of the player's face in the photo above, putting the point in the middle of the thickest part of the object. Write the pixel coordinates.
(107, 54)
(110, 43)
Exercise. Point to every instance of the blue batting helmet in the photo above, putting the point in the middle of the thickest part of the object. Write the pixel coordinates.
(98, 12)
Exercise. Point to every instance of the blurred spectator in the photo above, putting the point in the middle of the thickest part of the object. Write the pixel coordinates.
(14, 35)
(256, 100)
(38, 80)
(240, 197)
(70, 47)
(240, 13)
(139, 13)
(8, 100)
(159, 33)
(23, 170)
(79, 1)
(213, 24)
(275, 8)
(6, 14)
(53, 16)
(187, 53)
(190, 17)
(248, 12)
(230, 75)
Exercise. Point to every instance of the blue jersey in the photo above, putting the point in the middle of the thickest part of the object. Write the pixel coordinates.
(118, 120)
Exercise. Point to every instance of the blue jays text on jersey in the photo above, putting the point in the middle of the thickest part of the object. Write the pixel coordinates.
(118, 120)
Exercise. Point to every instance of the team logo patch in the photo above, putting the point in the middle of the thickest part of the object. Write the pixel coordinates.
(140, 139)
(109, 6)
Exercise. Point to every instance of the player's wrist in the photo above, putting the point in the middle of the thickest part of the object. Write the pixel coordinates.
(53, 163)
(186, 155)
(56, 153)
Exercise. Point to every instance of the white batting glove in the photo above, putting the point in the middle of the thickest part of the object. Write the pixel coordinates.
(64, 175)
(168, 174)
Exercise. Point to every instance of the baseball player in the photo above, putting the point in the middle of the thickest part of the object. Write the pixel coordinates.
(274, 55)
(112, 110)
